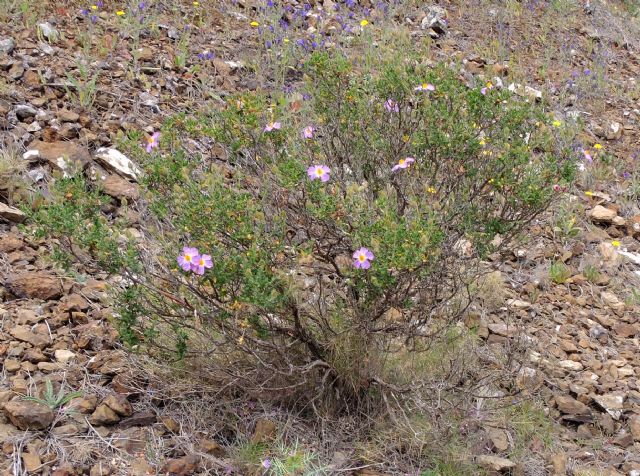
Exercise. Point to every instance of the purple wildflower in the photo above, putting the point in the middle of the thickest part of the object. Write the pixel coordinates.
(188, 257)
(199, 265)
(266, 464)
(307, 132)
(362, 258)
(403, 164)
(587, 72)
(319, 172)
(272, 126)
(391, 106)
(153, 141)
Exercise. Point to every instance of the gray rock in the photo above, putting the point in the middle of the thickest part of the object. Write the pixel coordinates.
(48, 31)
(7, 45)
(24, 111)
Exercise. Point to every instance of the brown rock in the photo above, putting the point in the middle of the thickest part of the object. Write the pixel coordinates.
(10, 242)
(624, 330)
(499, 438)
(31, 462)
(139, 467)
(120, 188)
(66, 156)
(634, 427)
(559, 464)
(182, 466)
(64, 115)
(571, 406)
(495, 463)
(602, 215)
(40, 285)
(29, 415)
(104, 415)
(265, 431)
(11, 213)
(213, 448)
(119, 404)
(23, 334)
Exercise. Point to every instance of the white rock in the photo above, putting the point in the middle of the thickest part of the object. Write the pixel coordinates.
(48, 31)
(612, 404)
(63, 355)
(115, 160)
(571, 365)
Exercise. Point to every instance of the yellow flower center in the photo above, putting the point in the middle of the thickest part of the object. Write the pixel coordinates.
(425, 85)
(362, 258)
(319, 172)
(201, 262)
(401, 162)
(187, 258)
(94, 7)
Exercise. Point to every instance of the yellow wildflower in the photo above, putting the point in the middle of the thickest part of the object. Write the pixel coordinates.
(254, 24)
(364, 23)
(94, 7)
(557, 123)
(286, 40)
(615, 244)
(195, 4)
(431, 190)
(597, 146)
(588, 194)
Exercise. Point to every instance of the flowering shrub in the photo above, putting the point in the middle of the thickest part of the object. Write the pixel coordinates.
(331, 235)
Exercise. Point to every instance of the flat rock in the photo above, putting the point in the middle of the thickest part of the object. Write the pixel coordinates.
(495, 463)
(602, 214)
(612, 403)
(120, 188)
(182, 466)
(119, 163)
(24, 334)
(569, 405)
(11, 213)
(39, 285)
(68, 157)
(28, 415)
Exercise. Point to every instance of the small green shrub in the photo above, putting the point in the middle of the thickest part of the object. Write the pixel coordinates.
(53, 400)
(559, 272)
(283, 306)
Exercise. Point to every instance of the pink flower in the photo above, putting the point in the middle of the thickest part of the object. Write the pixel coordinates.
(272, 126)
(319, 172)
(403, 164)
(391, 106)
(362, 258)
(425, 87)
(188, 257)
(484, 91)
(266, 463)
(153, 141)
(201, 263)
(307, 132)
(587, 155)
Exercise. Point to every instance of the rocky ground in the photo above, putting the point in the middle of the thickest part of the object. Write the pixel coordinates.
(582, 326)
